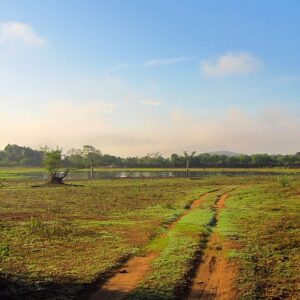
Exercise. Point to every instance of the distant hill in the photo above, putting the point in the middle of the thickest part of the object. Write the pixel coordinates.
(227, 153)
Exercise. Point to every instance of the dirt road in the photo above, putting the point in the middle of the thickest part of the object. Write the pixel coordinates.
(215, 274)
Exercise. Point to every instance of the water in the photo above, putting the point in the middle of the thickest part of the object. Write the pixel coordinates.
(78, 175)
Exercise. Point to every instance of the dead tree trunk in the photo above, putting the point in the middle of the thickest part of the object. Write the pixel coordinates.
(58, 179)
(187, 172)
(92, 172)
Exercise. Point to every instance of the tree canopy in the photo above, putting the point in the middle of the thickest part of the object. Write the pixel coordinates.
(52, 160)
(89, 156)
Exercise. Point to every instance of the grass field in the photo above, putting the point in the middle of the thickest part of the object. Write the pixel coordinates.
(264, 220)
(56, 241)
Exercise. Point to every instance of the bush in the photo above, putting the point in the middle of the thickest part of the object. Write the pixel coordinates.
(284, 180)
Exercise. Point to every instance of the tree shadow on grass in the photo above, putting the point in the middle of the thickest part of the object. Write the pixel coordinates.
(22, 288)
(48, 185)
(17, 287)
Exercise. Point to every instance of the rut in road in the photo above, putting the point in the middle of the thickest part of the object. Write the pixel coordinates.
(215, 275)
(127, 278)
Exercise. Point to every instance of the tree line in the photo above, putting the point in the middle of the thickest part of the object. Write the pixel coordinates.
(14, 156)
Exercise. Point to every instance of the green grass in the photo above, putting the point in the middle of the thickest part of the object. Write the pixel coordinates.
(178, 248)
(263, 221)
(21, 171)
(56, 240)
(67, 235)
(172, 266)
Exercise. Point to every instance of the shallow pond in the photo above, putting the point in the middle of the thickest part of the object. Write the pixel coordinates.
(77, 175)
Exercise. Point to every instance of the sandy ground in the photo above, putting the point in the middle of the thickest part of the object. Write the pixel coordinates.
(215, 274)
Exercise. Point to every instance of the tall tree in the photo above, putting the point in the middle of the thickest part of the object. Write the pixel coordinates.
(91, 154)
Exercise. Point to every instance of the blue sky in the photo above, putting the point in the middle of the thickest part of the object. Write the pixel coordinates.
(133, 77)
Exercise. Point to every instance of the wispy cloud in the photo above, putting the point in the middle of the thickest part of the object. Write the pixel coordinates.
(19, 32)
(151, 102)
(165, 61)
(230, 64)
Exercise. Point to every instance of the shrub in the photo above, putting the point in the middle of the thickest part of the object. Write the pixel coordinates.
(284, 180)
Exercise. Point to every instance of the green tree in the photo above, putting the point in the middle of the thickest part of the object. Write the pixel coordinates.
(177, 161)
(91, 155)
(244, 160)
(15, 155)
(75, 158)
(52, 160)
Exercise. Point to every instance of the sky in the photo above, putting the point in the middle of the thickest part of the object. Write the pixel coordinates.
(142, 76)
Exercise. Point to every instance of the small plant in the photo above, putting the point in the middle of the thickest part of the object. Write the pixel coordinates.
(36, 225)
(284, 180)
(170, 205)
(50, 229)
(2, 183)
(4, 250)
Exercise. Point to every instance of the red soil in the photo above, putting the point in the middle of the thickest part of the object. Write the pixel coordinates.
(131, 274)
(215, 275)
(126, 279)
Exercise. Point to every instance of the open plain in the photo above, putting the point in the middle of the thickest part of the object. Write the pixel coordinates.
(217, 237)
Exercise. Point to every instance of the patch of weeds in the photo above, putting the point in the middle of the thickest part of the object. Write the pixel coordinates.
(233, 254)
(2, 183)
(170, 205)
(4, 249)
(50, 229)
(172, 218)
(285, 180)
(36, 225)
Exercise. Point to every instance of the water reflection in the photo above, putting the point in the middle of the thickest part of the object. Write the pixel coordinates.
(78, 175)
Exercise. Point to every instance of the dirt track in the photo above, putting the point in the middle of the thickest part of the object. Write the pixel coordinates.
(133, 271)
(215, 274)
(126, 279)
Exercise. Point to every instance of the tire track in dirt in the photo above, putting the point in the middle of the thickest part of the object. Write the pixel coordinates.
(127, 278)
(215, 275)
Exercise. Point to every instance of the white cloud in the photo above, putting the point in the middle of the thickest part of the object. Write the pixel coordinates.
(164, 61)
(19, 32)
(229, 64)
(151, 102)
